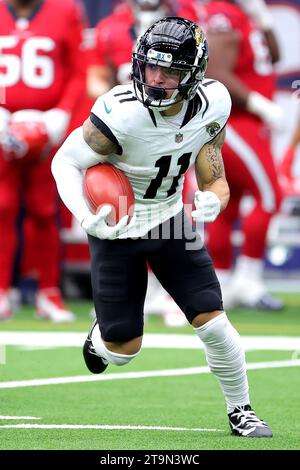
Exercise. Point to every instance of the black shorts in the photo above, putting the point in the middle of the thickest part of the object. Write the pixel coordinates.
(178, 259)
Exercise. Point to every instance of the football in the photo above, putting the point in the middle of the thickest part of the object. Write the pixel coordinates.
(106, 184)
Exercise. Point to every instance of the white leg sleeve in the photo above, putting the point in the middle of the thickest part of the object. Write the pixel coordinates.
(226, 359)
(109, 356)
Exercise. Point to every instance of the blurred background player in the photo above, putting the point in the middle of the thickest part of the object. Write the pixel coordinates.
(243, 49)
(116, 37)
(41, 72)
(290, 183)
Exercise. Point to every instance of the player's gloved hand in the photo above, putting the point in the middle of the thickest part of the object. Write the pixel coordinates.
(208, 206)
(271, 113)
(4, 119)
(259, 12)
(13, 147)
(95, 224)
(56, 122)
(25, 137)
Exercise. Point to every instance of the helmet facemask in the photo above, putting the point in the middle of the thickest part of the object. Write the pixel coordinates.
(181, 50)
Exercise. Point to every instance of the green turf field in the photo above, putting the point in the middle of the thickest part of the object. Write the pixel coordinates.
(174, 406)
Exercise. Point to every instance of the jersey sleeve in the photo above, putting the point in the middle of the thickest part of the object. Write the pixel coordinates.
(224, 103)
(108, 116)
(222, 19)
(219, 109)
(101, 50)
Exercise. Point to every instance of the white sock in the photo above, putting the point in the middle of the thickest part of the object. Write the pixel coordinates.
(249, 268)
(98, 344)
(226, 359)
(107, 355)
(224, 276)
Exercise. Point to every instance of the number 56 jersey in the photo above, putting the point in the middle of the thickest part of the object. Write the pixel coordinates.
(154, 151)
(40, 66)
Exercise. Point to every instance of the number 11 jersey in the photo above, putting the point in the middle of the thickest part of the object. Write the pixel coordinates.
(155, 152)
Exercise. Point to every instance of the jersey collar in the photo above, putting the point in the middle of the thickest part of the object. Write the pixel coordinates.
(31, 15)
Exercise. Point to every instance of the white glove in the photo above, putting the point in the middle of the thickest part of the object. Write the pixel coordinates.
(4, 119)
(271, 113)
(56, 122)
(27, 115)
(259, 12)
(25, 136)
(208, 206)
(95, 224)
(4, 122)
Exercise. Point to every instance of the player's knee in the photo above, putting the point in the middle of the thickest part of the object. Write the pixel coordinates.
(204, 303)
(218, 335)
(130, 347)
(204, 318)
(122, 332)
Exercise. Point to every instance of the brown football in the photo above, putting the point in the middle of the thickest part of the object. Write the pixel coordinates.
(105, 184)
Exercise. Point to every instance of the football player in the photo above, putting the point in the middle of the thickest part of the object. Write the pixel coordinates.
(110, 66)
(154, 130)
(43, 81)
(243, 49)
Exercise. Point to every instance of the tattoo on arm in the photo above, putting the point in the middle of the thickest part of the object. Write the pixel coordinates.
(209, 164)
(96, 140)
(214, 156)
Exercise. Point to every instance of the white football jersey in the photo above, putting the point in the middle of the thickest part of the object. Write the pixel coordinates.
(154, 152)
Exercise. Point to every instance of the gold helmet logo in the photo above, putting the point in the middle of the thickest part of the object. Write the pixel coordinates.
(199, 36)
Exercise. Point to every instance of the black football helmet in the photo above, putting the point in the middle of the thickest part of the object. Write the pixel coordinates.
(175, 43)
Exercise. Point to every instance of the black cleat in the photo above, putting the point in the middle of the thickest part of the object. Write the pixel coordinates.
(94, 363)
(244, 422)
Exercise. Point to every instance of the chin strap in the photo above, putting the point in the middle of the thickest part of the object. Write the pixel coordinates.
(157, 94)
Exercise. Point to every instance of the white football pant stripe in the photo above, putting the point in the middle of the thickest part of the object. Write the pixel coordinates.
(252, 162)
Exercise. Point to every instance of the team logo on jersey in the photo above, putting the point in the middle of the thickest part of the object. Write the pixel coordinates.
(178, 138)
(213, 128)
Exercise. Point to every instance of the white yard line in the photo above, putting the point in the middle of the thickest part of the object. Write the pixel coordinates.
(18, 417)
(104, 426)
(138, 375)
(41, 339)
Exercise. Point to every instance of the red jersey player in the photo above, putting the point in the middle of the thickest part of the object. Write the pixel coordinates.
(40, 72)
(289, 181)
(242, 50)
